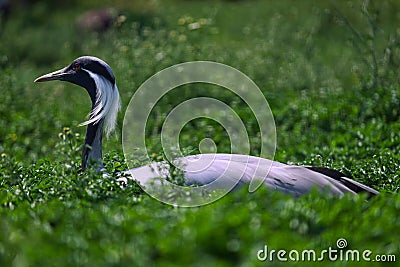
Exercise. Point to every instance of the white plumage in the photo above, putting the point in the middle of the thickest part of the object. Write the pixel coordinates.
(107, 103)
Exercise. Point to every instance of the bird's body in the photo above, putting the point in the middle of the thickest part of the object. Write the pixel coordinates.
(218, 169)
(225, 170)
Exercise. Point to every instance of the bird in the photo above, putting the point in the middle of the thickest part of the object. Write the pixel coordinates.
(97, 77)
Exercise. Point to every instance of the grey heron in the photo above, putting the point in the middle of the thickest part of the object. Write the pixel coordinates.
(97, 78)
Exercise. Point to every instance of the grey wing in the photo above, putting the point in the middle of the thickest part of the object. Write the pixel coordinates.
(220, 170)
(299, 180)
(230, 170)
(296, 180)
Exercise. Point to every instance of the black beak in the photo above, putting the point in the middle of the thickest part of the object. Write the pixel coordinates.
(56, 75)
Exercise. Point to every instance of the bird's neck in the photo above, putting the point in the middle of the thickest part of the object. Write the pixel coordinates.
(92, 154)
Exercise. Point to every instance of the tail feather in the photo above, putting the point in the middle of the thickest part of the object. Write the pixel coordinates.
(337, 175)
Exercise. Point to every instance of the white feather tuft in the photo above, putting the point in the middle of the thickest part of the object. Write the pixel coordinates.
(107, 103)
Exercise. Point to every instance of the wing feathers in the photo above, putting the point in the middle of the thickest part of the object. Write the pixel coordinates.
(225, 169)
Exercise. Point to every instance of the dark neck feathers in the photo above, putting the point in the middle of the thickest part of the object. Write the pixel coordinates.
(92, 149)
(92, 152)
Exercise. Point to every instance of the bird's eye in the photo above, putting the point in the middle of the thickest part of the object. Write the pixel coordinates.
(77, 67)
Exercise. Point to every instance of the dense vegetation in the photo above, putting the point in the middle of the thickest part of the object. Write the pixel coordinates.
(330, 71)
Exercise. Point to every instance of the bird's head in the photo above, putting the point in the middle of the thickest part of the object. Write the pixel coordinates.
(79, 73)
(97, 78)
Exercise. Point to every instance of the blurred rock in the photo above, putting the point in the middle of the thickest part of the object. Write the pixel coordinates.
(99, 20)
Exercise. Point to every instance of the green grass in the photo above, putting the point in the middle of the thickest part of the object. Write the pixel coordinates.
(335, 98)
